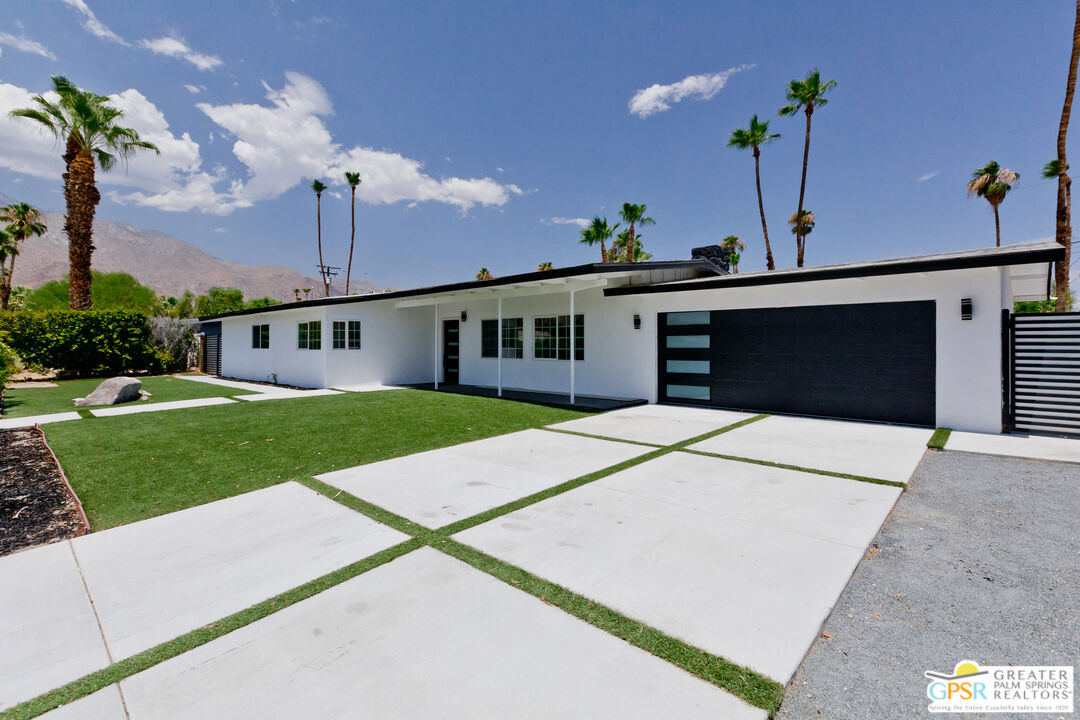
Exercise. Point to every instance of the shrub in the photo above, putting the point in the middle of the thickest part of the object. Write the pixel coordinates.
(86, 343)
(9, 365)
(108, 291)
(174, 340)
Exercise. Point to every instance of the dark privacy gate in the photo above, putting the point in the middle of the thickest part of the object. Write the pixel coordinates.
(871, 361)
(211, 347)
(1042, 392)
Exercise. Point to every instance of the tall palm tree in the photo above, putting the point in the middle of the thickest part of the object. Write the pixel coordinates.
(802, 223)
(318, 187)
(1063, 215)
(484, 274)
(734, 244)
(754, 137)
(993, 182)
(598, 232)
(1052, 170)
(88, 125)
(632, 214)
(544, 267)
(23, 221)
(353, 179)
(618, 248)
(8, 249)
(805, 95)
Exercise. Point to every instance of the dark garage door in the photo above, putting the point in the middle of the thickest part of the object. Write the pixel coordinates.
(873, 361)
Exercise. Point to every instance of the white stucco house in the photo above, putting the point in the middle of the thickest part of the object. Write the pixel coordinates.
(915, 340)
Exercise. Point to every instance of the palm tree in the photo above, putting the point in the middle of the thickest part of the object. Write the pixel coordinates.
(484, 274)
(88, 125)
(993, 182)
(296, 294)
(754, 137)
(353, 179)
(734, 244)
(23, 221)
(8, 249)
(544, 267)
(618, 248)
(805, 95)
(631, 214)
(802, 223)
(598, 232)
(318, 187)
(1052, 170)
(1063, 215)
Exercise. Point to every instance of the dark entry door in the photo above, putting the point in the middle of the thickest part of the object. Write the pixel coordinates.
(872, 361)
(451, 344)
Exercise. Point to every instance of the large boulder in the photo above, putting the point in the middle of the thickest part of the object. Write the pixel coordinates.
(112, 392)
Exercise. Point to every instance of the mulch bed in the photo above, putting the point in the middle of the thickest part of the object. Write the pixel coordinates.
(36, 504)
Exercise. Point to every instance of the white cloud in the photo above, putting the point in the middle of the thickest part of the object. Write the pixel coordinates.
(92, 24)
(928, 176)
(21, 42)
(219, 229)
(580, 222)
(195, 89)
(658, 98)
(177, 48)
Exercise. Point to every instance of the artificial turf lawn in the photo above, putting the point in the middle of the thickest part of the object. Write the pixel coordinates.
(23, 402)
(133, 467)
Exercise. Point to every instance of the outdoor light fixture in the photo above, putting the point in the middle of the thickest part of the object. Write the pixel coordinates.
(637, 321)
(464, 316)
(965, 309)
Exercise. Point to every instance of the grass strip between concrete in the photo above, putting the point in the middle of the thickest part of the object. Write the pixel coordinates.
(782, 466)
(148, 658)
(742, 682)
(939, 438)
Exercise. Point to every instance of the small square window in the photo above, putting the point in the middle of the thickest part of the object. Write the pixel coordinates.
(354, 334)
(260, 337)
(551, 337)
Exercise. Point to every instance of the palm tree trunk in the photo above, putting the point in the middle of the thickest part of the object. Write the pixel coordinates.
(630, 238)
(800, 239)
(5, 289)
(603, 252)
(83, 198)
(997, 226)
(1063, 217)
(352, 239)
(318, 224)
(761, 208)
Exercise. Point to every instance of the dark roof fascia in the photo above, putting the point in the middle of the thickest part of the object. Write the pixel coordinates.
(901, 266)
(589, 269)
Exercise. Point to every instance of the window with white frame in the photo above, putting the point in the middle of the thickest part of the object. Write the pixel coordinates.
(260, 337)
(338, 333)
(354, 335)
(346, 334)
(551, 337)
(513, 338)
(309, 335)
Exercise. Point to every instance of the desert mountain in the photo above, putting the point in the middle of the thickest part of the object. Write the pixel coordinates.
(161, 261)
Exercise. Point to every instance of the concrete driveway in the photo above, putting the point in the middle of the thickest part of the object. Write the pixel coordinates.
(734, 562)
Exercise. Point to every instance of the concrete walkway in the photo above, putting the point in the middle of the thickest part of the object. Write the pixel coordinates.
(1034, 447)
(31, 420)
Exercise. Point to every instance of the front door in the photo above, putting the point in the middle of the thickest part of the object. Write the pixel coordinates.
(450, 352)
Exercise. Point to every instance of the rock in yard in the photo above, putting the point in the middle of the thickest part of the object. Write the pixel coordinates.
(112, 392)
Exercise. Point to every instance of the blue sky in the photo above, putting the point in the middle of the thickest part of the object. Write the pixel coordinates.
(477, 124)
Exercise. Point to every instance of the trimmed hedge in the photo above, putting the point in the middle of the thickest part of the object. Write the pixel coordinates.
(86, 343)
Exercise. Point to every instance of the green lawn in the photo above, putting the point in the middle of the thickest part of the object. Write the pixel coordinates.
(133, 467)
(21, 402)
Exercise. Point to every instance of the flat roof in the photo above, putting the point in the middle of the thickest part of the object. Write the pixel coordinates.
(566, 272)
(1023, 254)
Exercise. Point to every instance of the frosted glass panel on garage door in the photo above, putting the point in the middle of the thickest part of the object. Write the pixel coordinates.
(698, 367)
(688, 318)
(691, 392)
(688, 341)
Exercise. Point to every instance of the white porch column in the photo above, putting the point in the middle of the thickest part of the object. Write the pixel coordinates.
(498, 361)
(573, 346)
(436, 346)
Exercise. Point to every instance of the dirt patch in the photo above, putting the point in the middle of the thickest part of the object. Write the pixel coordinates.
(30, 384)
(36, 504)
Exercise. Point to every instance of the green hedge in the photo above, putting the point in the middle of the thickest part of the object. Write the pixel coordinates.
(86, 343)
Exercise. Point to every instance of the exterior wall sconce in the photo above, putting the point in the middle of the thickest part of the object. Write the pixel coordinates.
(637, 321)
(464, 316)
(965, 309)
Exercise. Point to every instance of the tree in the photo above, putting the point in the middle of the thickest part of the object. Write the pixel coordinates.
(754, 137)
(318, 187)
(802, 224)
(734, 244)
(261, 302)
(598, 232)
(544, 267)
(219, 300)
(353, 179)
(484, 274)
(88, 126)
(993, 182)
(23, 221)
(296, 294)
(1052, 170)
(8, 249)
(110, 291)
(1063, 214)
(618, 248)
(632, 214)
(805, 95)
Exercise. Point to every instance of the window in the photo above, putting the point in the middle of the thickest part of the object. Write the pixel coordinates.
(354, 334)
(309, 335)
(513, 338)
(489, 338)
(260, 337)
(551, 337)
(339, 334)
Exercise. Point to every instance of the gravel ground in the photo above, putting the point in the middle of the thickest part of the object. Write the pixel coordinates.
(979, 560)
